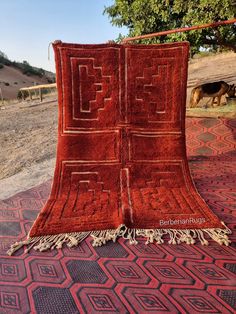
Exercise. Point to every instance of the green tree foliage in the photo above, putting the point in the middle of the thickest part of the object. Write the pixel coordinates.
(149, 16)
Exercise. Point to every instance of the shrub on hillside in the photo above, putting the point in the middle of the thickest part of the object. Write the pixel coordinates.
(27, 69)
(22, 94)
(4, 59)
(51, 80)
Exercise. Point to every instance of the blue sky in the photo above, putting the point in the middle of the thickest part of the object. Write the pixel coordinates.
(28, 26)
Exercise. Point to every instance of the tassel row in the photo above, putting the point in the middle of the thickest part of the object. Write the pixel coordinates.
(176, 236)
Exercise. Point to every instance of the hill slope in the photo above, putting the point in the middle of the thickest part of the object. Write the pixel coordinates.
(12, 79)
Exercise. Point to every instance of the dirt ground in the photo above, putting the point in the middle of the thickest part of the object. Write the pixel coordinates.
(28, 131)
(28, 136)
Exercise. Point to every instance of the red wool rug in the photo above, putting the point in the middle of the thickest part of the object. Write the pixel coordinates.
(121, 167)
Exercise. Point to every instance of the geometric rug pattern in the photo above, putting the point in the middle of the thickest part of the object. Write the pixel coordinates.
(124, 278)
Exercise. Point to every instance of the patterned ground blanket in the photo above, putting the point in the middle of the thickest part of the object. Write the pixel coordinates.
(124, 278)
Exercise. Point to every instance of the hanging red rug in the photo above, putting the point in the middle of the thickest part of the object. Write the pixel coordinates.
(121, 166)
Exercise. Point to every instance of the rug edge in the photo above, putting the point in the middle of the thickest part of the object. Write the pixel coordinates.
(101, 237)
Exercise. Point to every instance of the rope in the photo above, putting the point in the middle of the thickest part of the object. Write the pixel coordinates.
(49, 45)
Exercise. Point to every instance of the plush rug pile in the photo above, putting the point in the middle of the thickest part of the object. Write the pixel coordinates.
(121, 166)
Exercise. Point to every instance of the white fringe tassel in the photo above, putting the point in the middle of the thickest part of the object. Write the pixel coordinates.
(176, 236)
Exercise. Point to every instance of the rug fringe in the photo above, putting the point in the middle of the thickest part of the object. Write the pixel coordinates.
(177, 236)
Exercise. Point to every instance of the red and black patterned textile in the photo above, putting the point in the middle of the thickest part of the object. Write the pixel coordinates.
(124, 278)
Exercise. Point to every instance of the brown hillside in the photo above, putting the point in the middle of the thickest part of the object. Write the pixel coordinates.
(16, 80)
